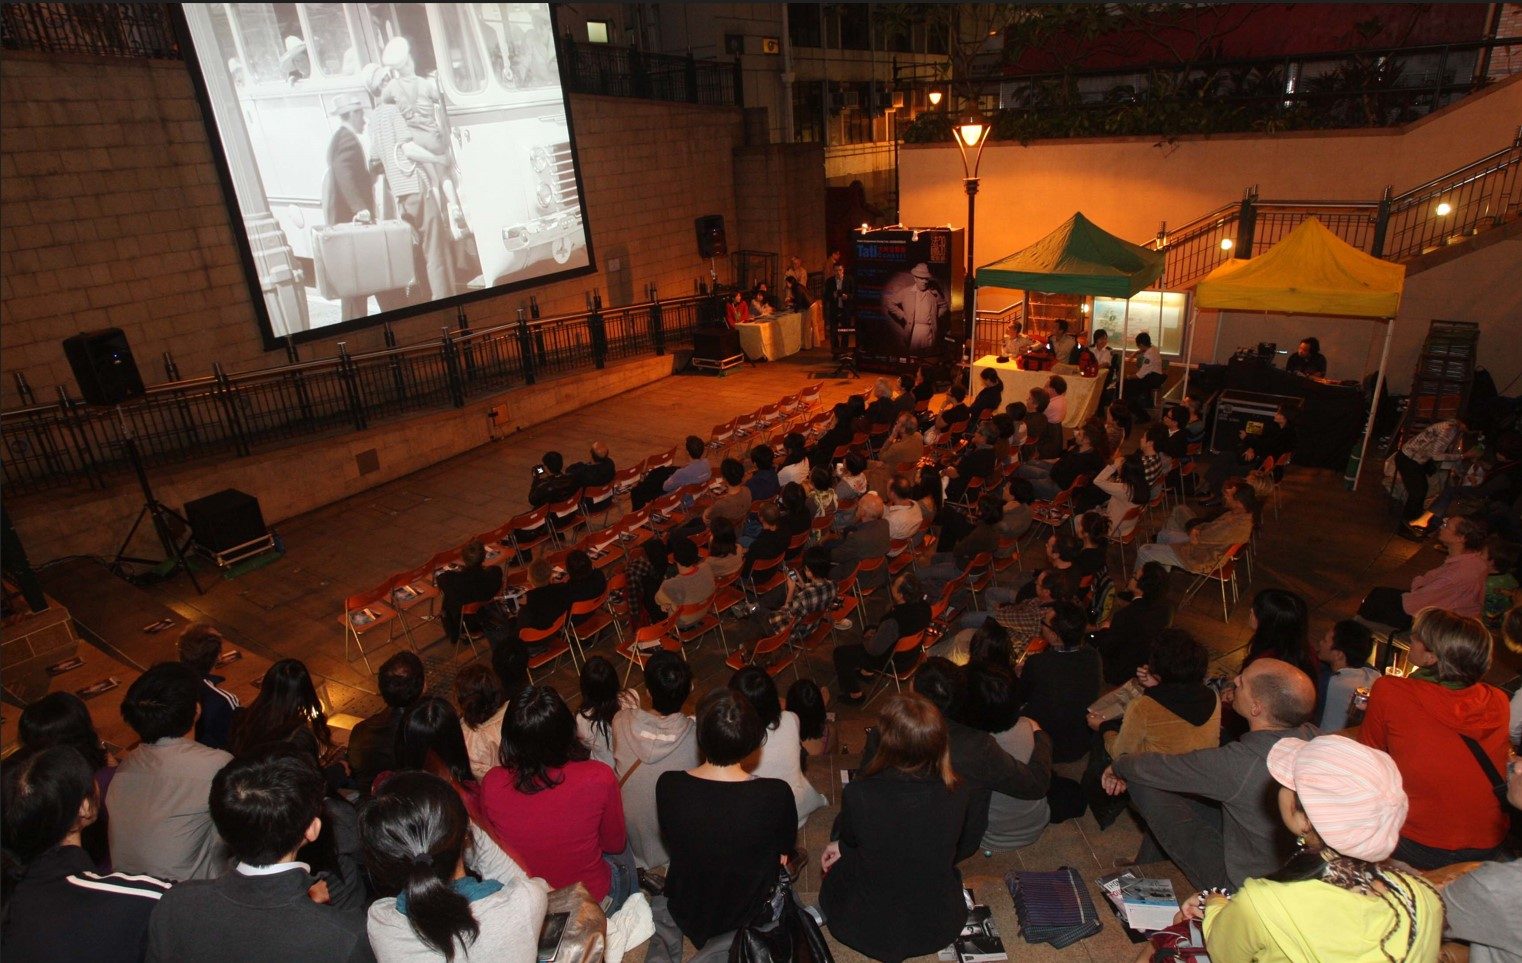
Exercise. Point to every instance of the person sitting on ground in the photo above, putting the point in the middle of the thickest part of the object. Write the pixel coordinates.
(266, 806)
(693, 582)
(1435, 724)
(763, 482)
(866, 539)
(725, 556)
(795, 459)
(554, 485)
(976, 757)
(57, 906)
(372, 742)
(1345, 651)
(478, 695)
(287, 701)
(734, 504)
(160, 823)
(1280, 623)
(1340, 897)
(430, 739)
(891, 887)
(601, 698)
(1276, 438)
(1201, 549)
(909, 616)
(810, 703)
(1057, 407)
(989, 397)
(63, 719)
(697, 471)
(1059, 682)
(993, 706)
(559, 812)
(1125, 644)
(649, 742)
(1176, 711)
(953, 412)
(781, 754)
(728, 834)
(1457, 585)
(1501, 584)
(1212, 811)
(334, 857)
(1476, 908)
(460, 897)
(200, 646)
(474, 581)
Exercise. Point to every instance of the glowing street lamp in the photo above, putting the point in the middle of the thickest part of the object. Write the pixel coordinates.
(971, 133)
(935, 98)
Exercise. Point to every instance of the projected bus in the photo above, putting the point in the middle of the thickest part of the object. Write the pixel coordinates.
(386, 157)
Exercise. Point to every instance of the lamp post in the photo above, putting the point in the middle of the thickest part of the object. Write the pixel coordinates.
(935, 98)
(971, 133)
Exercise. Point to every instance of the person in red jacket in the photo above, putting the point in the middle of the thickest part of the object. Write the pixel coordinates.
(1428, 723)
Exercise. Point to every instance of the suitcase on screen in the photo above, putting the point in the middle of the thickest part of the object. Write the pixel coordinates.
(357, 260)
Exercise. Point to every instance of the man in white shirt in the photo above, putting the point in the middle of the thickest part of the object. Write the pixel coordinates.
(903, 512)
(1101, 349)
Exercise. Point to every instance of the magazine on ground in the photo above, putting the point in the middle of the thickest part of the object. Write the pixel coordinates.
(1145, 904)
(979, 941)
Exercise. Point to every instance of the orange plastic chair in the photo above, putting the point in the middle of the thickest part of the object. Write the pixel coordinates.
(364, 613)
(559, 644)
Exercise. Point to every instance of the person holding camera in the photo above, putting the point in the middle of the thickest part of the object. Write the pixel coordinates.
(550, 482)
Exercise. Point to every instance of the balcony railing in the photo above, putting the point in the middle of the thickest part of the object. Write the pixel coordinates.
(596, 68)
(68, 444)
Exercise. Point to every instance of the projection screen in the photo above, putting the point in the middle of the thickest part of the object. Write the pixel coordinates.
(383, 159)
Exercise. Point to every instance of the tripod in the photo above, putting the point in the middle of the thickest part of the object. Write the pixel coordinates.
(846, 358)
(162, 516)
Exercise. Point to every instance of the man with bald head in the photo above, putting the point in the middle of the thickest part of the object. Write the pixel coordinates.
(1215, 812)
(867, 538)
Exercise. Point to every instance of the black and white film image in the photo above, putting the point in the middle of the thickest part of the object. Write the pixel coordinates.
(388, 155)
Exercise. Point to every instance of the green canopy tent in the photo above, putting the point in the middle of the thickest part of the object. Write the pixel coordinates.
(1079, 258)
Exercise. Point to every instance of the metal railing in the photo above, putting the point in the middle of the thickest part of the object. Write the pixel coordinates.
(1398, 227)
(70, 444)
(145, 30)
(139, 30)
(595, 68)
(989, 325)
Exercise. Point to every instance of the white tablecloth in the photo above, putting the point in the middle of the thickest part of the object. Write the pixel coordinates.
(776, 336)
(1083, 393)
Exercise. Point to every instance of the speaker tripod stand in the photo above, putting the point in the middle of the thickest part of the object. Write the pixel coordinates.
(164, 521)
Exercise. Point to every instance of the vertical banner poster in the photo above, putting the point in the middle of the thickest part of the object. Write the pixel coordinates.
(907, 294)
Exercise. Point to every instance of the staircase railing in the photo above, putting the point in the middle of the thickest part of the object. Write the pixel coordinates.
(1397, 227)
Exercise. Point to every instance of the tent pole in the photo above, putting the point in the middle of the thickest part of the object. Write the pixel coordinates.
(1192, 315)
(1125, 339)
(1379, 384)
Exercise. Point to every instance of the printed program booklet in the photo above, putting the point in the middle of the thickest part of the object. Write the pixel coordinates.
(979, 941)
(1145, 904)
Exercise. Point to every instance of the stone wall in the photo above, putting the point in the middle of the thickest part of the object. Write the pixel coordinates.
(780, 202)
(112, 216)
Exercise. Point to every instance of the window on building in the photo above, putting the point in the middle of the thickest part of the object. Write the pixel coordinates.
(855, 26)
(333, 49)
(269, 31)
(599, 31)
(804, 24)
(808, 113)
(734, 44)
(467, 66)
(1159, 313)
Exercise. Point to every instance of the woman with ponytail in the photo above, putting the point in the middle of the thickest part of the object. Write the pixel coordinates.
(1340, 898)
(459, 896)
(55, 907)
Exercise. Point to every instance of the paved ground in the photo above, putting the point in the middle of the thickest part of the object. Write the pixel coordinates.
(1329, 545)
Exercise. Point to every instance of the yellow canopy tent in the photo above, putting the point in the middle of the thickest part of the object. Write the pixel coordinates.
(1311, 271)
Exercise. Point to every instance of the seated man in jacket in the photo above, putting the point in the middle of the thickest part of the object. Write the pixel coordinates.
(472, 582)
(976, 462)
(866, 539)
(1200, 549)
(1215, 812)
(553, 484)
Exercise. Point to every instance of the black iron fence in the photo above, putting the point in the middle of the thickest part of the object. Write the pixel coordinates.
(100, 29)
(1397, 227)
(69, 444)
(145, 30)
(595, 68)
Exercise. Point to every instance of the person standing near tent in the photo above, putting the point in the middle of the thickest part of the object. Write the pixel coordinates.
(1148, 378)
(916, 309)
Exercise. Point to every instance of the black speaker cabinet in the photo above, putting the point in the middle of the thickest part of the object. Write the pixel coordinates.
(712, 241)
(225, 520)
(103, 366)
(715, 345)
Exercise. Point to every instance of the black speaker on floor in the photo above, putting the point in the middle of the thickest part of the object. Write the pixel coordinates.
(225, 520)
(712, 242)
(103, 366)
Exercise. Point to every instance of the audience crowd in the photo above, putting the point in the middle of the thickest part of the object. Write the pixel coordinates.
(1325, 809)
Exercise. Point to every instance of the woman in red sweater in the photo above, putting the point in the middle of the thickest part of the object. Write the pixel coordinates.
(553, 807)
(1423, 722)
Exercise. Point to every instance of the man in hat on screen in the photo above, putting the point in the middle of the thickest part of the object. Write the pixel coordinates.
(915, 309)
(348, 190)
